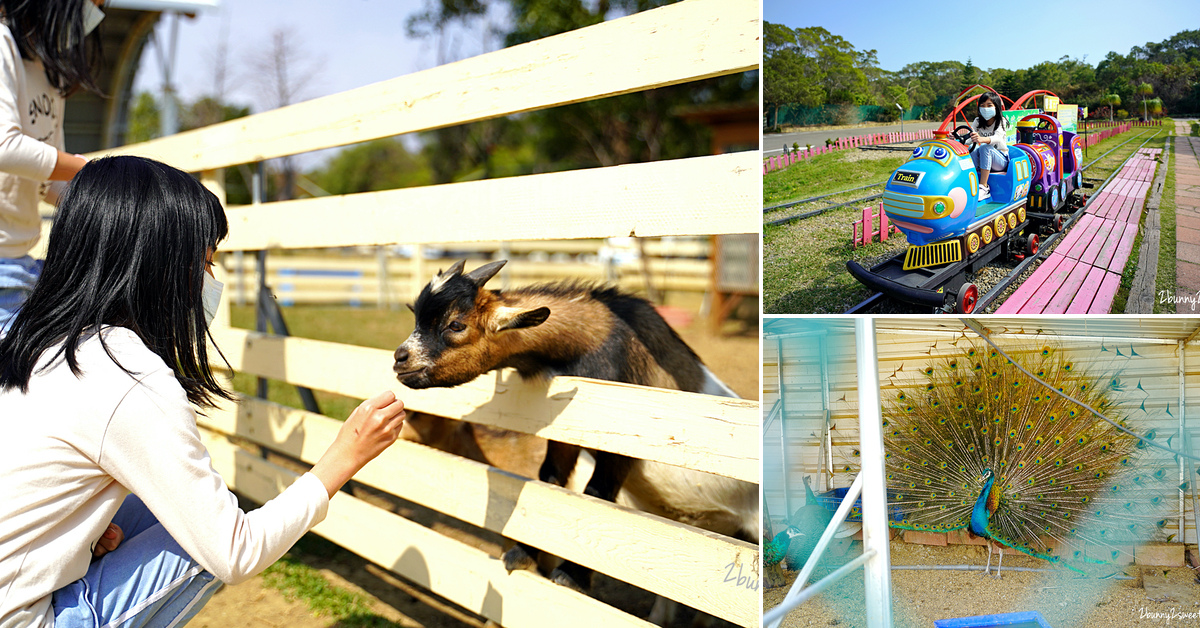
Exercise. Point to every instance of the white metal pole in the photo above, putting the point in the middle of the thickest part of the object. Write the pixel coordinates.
(877, 570)
(1183, 463)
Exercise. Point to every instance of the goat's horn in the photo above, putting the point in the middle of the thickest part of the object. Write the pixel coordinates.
(482, 274)
(455, 269)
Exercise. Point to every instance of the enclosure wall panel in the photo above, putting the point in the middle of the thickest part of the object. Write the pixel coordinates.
(679, 43)
(702, 432)
(462, 574)
(673, 559)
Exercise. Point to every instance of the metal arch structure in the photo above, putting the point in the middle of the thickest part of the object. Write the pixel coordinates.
(961, 103)
(1037, 92)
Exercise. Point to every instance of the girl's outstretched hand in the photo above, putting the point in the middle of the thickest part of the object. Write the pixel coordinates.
(372, 427)
(112, 537)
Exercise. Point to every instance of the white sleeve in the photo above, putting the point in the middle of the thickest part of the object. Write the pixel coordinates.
(20, 154)
(152, 447)
(1000, 137)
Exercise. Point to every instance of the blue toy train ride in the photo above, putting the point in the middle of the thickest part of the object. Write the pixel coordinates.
(934, 199)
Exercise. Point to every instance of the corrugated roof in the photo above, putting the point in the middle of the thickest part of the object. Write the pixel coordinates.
(1172, 328)
(185, 6)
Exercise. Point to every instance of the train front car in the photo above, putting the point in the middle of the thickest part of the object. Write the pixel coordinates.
(933, 199)
(932, 196)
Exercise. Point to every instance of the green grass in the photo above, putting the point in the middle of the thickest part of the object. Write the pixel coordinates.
(804, 262)
(366, 327)
(1165, 281)
(823, 174)
(300, 582)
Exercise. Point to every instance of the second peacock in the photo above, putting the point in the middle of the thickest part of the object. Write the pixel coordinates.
(1020, 446)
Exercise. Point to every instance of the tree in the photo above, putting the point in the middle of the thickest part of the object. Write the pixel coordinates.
(1144, 90)
(144, 119)
(383, 164)
(284, 71)
(629, 128)
(1111, 101)
(970, 76)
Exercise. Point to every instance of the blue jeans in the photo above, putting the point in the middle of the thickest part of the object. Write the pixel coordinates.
(988, 158)
(17, 277)
(148, 581)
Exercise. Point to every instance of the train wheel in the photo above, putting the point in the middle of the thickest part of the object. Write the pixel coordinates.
(973, 243)
(968, 296)
(1031, 245)
(1059, 221)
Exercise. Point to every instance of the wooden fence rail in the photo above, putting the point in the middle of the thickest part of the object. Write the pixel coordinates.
(700, 196)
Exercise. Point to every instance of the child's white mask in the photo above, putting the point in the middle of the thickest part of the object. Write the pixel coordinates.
(211, 297)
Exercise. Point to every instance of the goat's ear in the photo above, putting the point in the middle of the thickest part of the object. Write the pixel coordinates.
(481, 275)
(517, 318)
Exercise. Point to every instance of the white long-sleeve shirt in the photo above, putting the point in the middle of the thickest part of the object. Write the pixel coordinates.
(73, 447)
(999, 141)
(31, 134)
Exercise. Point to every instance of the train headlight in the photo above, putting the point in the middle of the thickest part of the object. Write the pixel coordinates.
(939, 208)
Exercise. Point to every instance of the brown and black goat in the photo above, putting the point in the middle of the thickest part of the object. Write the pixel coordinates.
(463, 330)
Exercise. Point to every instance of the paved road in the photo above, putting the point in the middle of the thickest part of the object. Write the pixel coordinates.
(773, 144)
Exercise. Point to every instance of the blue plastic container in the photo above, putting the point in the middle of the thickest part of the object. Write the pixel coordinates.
(1025, 619)
(830, 500)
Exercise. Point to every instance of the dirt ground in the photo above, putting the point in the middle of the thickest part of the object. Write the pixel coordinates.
(1065, 600)
(733, 358)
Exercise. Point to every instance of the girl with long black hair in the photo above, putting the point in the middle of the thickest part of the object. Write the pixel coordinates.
(99, 376)
(46, 54)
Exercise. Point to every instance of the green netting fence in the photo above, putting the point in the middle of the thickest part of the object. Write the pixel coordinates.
(832, 115)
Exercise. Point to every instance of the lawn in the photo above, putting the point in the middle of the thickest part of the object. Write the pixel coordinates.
(804, 261)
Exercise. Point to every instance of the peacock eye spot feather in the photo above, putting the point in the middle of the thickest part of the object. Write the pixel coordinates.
(1067, 367)
(929, 370)
(1016, 384)
(1041, 374)
(929, 387)
(960, 407)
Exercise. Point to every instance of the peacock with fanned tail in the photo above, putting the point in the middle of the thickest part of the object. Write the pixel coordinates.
(976, 443)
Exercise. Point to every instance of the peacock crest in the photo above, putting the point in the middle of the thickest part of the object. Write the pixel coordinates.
(975, 442)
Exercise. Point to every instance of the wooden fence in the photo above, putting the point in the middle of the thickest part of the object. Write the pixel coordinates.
(683, 42)
(384, 279)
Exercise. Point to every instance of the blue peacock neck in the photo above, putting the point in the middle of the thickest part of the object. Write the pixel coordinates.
(980, 514)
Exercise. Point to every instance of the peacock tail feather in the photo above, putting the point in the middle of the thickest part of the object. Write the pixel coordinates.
(1064, 478)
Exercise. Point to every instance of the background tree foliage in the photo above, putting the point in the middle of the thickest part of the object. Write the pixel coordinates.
(812, 67)
(638, 127)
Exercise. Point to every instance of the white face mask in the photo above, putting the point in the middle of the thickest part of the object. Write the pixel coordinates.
(987, 112)
(211, 296)
(92, 16)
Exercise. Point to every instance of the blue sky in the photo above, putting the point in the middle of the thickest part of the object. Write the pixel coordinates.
(909, 31)
(351, 42)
